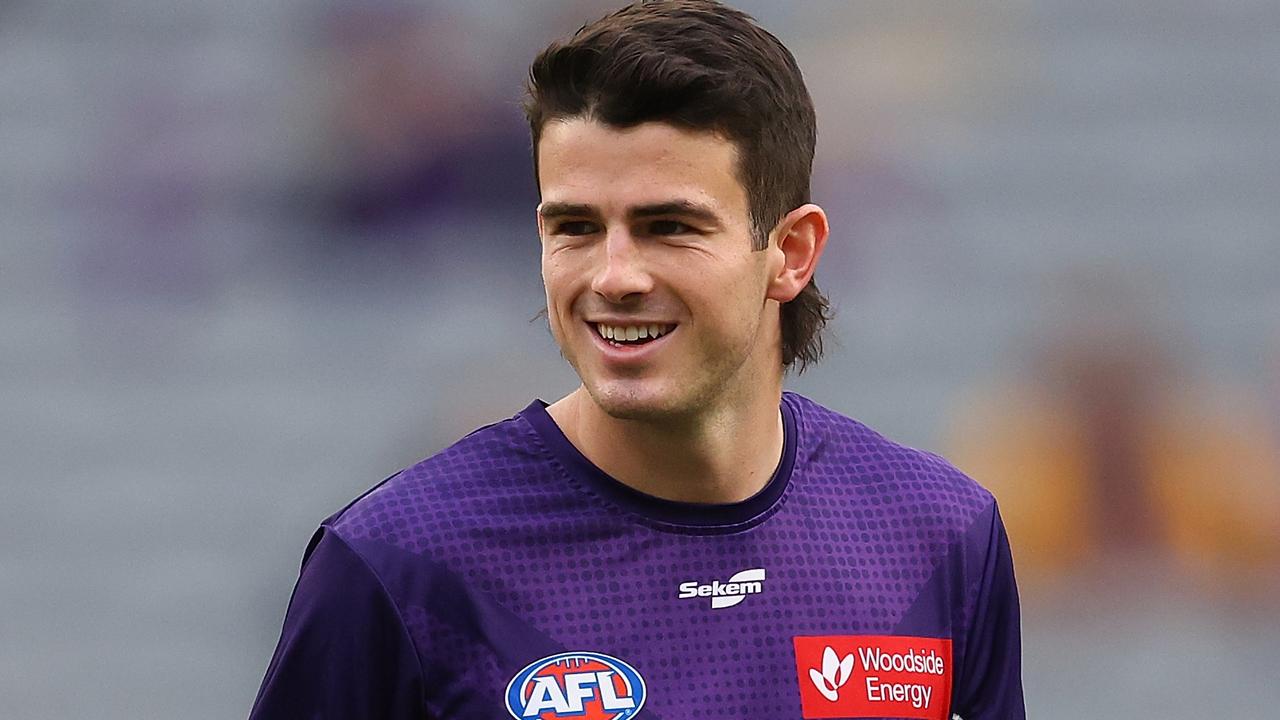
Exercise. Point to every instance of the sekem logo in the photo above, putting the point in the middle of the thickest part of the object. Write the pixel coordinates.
(580, 685)
(726, 594)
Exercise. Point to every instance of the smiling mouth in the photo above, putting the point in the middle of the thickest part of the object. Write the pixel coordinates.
(629, 335)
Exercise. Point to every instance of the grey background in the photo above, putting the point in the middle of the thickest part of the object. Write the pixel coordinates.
(199, 361)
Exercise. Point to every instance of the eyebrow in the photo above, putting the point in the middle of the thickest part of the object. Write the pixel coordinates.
(681, 208)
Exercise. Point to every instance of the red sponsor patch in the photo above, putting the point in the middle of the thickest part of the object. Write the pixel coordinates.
(874, 676)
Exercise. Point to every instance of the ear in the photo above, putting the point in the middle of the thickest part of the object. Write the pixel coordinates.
(797, 243)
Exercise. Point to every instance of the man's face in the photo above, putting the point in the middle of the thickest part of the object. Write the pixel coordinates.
(647, 229)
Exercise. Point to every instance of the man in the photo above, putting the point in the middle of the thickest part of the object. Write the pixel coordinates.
(676, 538)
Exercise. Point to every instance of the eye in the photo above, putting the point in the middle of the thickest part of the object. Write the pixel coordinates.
(575, 227)
(669, 227)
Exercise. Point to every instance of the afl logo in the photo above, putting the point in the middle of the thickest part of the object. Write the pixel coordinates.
(581, 685)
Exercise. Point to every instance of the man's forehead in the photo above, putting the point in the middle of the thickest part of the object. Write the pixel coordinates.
(673, 207)
(586, 162)
(579, 124)
(582, 144)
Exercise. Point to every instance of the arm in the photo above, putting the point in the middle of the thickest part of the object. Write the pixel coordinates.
(990, 683)
(344, 651)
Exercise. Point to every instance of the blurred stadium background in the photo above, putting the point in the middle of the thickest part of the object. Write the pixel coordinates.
(256, 256)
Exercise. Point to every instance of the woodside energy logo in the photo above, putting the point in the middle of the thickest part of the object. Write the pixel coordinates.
(874, 676)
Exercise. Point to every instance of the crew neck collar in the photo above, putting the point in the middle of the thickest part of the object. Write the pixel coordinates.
(698, 518)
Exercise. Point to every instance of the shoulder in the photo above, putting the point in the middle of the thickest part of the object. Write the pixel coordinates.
(842, 458)
(488, 475)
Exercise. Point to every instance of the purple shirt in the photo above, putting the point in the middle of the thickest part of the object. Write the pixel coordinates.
(507, 576)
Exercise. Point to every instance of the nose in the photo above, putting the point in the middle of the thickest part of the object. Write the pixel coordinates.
(621, 271)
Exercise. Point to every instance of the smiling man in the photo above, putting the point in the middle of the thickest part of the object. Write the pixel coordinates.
(662, 304)
(677, 537)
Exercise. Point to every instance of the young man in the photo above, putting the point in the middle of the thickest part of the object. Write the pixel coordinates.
(676, 538)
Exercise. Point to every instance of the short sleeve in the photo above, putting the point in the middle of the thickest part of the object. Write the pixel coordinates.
(344, 651)
(990, 684)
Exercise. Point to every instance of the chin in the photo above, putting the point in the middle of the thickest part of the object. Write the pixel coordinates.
(624, 403)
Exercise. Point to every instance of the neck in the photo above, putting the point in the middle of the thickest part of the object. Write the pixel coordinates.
(725, 455)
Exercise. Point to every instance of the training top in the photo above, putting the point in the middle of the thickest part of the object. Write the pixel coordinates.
(507, 576)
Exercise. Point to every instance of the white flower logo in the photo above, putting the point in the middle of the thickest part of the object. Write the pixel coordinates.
(835, 673)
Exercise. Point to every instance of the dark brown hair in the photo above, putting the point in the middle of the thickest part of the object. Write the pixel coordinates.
(700, 65)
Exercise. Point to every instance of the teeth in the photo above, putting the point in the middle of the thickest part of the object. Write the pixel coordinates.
(631, 333)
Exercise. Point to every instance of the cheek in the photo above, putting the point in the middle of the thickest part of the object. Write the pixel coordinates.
(558, 282)
(745, 305)
(735, 291)
(552, 277)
